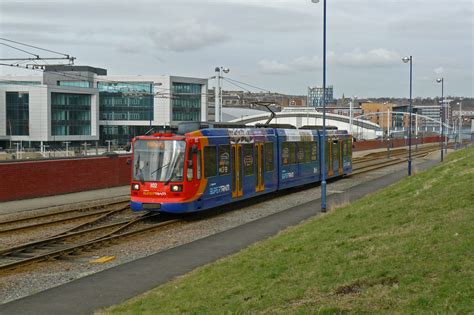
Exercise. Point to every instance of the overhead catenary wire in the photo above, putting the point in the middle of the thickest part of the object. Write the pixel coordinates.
(36, 47)
(19, 49)
(235, 84)
(253, 86)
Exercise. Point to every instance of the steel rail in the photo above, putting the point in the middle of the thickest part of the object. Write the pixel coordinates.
(61, 237)
(60, 220)
(21, 259)
(376, 166)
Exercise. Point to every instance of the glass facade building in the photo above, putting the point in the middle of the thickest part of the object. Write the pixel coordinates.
(81, 84)
(121, 135)
(315, 96)
(126, 100)
(186, 101)
(70, 114)
(17, 108)
(82, 104)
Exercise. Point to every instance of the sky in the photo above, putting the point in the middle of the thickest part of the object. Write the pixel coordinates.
(273, 44)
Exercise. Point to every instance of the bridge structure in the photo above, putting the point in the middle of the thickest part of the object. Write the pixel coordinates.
(361, 126)
(300, 117)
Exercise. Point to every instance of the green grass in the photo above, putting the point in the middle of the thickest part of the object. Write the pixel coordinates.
(406, 249)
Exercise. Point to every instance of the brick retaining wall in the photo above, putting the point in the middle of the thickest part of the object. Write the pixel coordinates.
(31, 179)
(378, 144)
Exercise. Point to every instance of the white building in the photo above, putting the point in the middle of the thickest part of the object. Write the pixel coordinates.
(81, 103)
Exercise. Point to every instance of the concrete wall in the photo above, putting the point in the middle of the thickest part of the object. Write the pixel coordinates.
(22, 180)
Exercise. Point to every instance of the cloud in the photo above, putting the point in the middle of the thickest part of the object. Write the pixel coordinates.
(273, 67)
(373, 58)
(187, 35)
(307, 63)
(379, 57)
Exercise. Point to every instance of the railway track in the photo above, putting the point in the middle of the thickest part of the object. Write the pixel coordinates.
(94, 233)
(398, 157)
(97, 213)
(72, 241)
(393, 153)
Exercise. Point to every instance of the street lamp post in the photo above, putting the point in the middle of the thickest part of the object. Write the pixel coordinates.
(217, 101)
(460, 122)
(323, 146)
(67, 147)
(441, 113)
(405, 60)
(108, 144)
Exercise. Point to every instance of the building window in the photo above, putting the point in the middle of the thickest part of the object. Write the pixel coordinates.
(81, 84)
(126, 100)
(121, 135)
(70, 114)
(186, 101)
(17, 106)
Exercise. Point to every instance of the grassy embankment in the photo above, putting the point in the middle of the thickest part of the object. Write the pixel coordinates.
(406, 249)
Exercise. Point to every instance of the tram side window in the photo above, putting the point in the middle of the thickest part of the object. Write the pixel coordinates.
(268, 157)
(292, 146)
(300, 152)
(224, 160)
(314, 151)
(307, 152)
(335, 148)
(285, 153)
(198, 165)
(210, 161)
(326, 150)
(189, 168)
(248, 159)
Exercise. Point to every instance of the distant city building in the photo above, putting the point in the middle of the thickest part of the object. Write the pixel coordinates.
(315, 96)
(295, 102)
(82, 103)
(250, 100)
(384, 114)
(430, 111)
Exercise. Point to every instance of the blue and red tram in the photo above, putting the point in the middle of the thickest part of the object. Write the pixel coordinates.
(210, 167)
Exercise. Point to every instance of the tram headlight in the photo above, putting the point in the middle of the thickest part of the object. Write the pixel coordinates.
(136, 187)
(176, 188)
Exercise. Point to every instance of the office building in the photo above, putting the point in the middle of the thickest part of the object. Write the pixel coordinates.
(83, 104)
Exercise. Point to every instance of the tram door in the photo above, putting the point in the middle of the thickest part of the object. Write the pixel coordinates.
(259, 183)
(341, 154)
(335, 155)
(237, 172)
(329, 158)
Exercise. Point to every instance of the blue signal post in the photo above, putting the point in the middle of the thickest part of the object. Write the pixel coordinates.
(405, 60)
(323, 145)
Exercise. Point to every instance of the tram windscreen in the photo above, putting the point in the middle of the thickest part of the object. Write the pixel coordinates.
(158, 160)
